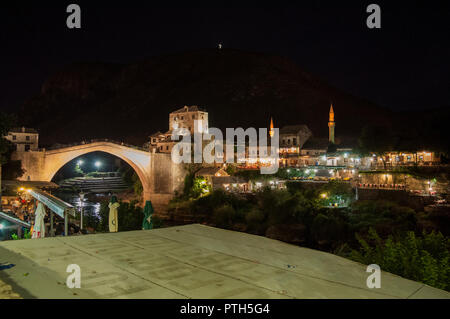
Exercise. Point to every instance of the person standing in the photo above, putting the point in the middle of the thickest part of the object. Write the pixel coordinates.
(113, 216)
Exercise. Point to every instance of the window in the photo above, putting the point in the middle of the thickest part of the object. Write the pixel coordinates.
(182, 117)
(14, 137)
(289, 141)
(193, 117)
(294, 141)
(27, 148)
(27, 137)
(167, 147)
(307, 153)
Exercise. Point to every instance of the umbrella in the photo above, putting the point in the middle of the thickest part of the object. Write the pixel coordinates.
(113, 218)
(39, 226)
(148, 212)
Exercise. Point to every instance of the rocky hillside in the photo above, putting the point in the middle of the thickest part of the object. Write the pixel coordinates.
(129, 102)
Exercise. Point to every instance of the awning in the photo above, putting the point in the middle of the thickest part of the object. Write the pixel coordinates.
(53, 203)
(29, 184)
(14, 220)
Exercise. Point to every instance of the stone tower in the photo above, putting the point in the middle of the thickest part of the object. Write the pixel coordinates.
(271, 131)
(331, 125)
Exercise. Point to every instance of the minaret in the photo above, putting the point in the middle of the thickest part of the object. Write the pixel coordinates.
(331, 125)
(271, 131)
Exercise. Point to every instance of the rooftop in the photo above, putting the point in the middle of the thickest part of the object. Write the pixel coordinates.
(208, 171)
(294, 129)
(191, 261)
(193, 108)
(23, 130)
(316, 143)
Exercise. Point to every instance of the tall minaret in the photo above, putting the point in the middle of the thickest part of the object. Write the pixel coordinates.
(271, 131)
(331, 125)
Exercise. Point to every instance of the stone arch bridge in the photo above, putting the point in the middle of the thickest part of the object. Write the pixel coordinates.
(160, 177)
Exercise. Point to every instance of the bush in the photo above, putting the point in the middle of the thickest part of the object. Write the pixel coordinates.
(130, 216)
(255, 219)
(386, 217)
(425, 259)
(328, 228)
(224, 216)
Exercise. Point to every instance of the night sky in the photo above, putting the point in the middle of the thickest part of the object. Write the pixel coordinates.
(405, 65)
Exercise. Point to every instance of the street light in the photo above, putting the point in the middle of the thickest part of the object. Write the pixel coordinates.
(98, 164)
(81, 209)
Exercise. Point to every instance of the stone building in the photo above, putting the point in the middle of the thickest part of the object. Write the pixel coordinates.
(181, 118)
(24, 139)
(185, 117)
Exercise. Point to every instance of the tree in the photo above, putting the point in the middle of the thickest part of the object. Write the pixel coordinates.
(376, 140)
(6, 122)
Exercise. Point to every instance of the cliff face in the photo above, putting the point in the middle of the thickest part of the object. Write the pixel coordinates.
(129, 102)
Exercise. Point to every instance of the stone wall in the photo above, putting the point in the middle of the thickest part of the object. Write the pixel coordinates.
(32, 163)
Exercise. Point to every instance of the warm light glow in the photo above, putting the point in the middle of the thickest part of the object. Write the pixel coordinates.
(323, 195)
(21, 189)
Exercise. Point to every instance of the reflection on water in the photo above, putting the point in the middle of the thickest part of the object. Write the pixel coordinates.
(90, 203)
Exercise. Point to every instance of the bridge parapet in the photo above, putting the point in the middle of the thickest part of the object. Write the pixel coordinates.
(84, 142)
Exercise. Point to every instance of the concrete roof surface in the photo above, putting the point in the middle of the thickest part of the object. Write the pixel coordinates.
(192, 261)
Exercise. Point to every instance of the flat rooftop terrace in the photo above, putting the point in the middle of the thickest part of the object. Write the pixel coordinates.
(192, 261)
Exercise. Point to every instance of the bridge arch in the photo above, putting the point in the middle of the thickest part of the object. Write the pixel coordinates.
(161, 178)
(139, 160)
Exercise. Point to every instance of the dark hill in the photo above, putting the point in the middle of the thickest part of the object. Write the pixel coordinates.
(129, 102)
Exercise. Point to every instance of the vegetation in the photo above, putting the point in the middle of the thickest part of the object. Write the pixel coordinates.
(301, 215)
(425, 259)
(376, 140)
(131, 178)
(9, 169)
(26, 235)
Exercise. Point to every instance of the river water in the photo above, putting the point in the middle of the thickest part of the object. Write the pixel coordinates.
(90, 204)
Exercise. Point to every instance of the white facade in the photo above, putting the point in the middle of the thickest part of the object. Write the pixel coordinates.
(185, 117)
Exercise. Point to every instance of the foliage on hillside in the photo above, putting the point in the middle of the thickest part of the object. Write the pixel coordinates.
(425, 259)
(297, 215)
